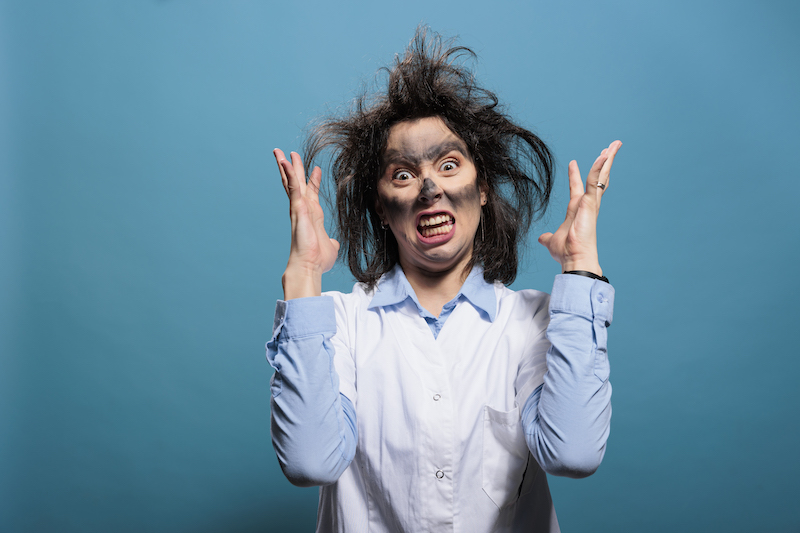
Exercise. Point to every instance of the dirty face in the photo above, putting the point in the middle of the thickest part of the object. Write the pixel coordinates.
(428, 194)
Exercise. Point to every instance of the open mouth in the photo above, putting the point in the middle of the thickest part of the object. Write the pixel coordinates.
(435, 224)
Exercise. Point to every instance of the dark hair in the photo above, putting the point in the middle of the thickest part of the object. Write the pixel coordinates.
(428, 81)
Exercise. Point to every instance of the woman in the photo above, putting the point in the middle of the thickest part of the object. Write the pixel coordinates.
(432, 397)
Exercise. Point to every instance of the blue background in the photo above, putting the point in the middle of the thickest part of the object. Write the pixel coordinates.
(143, 232)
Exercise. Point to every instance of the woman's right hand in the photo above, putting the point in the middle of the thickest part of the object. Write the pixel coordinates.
(313, 252)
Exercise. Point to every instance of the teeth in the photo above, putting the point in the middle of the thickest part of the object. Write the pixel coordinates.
(434, 220)
(440, 230)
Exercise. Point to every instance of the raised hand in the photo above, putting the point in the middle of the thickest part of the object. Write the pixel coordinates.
(312, 252)
(574, 244)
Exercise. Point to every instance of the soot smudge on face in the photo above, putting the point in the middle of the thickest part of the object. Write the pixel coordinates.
(395, 208)
(465, 195)
(428, 189)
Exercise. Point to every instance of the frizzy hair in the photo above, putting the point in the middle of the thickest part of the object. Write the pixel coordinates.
(430, 81)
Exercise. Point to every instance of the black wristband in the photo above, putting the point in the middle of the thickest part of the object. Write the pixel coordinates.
(587, 274)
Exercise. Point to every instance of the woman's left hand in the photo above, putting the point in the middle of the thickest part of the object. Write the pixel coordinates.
(574, 244)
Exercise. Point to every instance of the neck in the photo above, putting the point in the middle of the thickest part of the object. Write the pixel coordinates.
(436, 288)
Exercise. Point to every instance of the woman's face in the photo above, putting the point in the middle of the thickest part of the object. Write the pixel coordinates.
(428, 195)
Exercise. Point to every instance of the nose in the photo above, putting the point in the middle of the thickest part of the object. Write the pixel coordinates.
(430, 192)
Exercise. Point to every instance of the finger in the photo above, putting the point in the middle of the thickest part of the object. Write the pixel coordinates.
(335, 244)
(605, 172)
(299, 171)
(279, 156)
(604, 177)
(314, 181)
(293, 185)
(544, 239)
(575, 181)
(575, 191)
(594, 174)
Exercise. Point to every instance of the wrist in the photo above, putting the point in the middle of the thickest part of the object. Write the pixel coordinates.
(301, 283)
(585, 266)
(586, 274)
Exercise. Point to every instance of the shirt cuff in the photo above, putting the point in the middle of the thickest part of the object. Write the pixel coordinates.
(303, 317)
(590, 298)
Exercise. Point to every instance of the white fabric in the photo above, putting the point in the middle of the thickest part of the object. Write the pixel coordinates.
(440, 444)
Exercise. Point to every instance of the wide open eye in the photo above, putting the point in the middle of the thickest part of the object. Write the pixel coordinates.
(449, 165)
(402, 175)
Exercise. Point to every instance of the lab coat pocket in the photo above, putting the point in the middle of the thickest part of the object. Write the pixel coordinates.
(505, 454)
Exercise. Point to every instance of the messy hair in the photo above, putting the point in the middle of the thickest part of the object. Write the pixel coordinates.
(514, 166)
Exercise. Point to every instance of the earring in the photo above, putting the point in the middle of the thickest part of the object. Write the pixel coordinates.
(385, 242)
(482, 225)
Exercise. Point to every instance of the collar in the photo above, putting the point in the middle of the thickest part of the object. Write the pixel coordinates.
(393, 288)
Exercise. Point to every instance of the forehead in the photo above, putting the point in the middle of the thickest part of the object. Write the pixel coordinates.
(421, 139)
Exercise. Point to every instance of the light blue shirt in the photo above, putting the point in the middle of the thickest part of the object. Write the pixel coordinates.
(395, 288)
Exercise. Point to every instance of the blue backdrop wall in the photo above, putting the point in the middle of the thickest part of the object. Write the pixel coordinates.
(143, 232)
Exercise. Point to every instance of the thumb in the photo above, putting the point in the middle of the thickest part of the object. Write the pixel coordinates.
(544, 239)
(335, 244)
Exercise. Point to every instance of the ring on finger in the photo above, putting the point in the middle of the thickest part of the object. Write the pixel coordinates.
(602, 185)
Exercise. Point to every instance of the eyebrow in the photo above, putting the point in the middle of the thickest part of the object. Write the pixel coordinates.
(393, 157)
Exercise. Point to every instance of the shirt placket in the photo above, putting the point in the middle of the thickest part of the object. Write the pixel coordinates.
(438, 418)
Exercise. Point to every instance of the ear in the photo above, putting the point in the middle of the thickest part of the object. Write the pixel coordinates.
(484, 195)
(379, 208)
